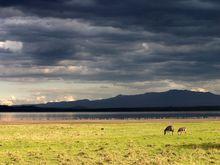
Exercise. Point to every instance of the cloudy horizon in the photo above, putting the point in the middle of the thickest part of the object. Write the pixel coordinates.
(91, 49)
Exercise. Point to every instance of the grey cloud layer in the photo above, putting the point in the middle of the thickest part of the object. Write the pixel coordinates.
(102, 40)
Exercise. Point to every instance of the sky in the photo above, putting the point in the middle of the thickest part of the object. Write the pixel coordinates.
(65, 50)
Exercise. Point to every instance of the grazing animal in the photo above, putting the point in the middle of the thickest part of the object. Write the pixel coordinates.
(181, 130)
(169, 129)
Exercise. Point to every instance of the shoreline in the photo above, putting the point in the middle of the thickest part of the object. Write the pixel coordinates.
(110, 121)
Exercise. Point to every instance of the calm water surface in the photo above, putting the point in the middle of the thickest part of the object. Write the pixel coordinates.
(50, 116)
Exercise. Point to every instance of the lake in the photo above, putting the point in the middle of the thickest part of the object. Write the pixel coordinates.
(65, 116)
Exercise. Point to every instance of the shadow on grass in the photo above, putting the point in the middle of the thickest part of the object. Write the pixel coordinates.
(204, 146)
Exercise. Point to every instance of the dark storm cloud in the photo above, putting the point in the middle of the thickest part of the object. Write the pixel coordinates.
(113, 40)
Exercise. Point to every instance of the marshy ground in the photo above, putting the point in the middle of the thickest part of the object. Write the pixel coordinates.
(110, 142)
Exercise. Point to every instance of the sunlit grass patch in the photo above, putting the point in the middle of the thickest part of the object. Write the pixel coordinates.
(112, 143)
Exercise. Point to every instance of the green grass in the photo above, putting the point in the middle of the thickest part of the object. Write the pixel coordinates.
(118, 143)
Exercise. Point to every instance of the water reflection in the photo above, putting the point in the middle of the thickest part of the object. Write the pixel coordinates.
(7, 117)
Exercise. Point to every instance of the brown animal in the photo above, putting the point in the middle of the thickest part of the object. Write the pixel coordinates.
(181, 130)
(169, 128)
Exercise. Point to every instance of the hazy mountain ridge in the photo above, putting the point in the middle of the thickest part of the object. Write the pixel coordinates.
(171, 98)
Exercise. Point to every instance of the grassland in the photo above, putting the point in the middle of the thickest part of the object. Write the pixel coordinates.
(109, 143)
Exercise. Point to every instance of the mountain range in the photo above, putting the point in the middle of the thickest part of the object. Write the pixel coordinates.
(171, 98)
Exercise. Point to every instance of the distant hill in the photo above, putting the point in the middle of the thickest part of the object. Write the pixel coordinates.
(171, 98)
